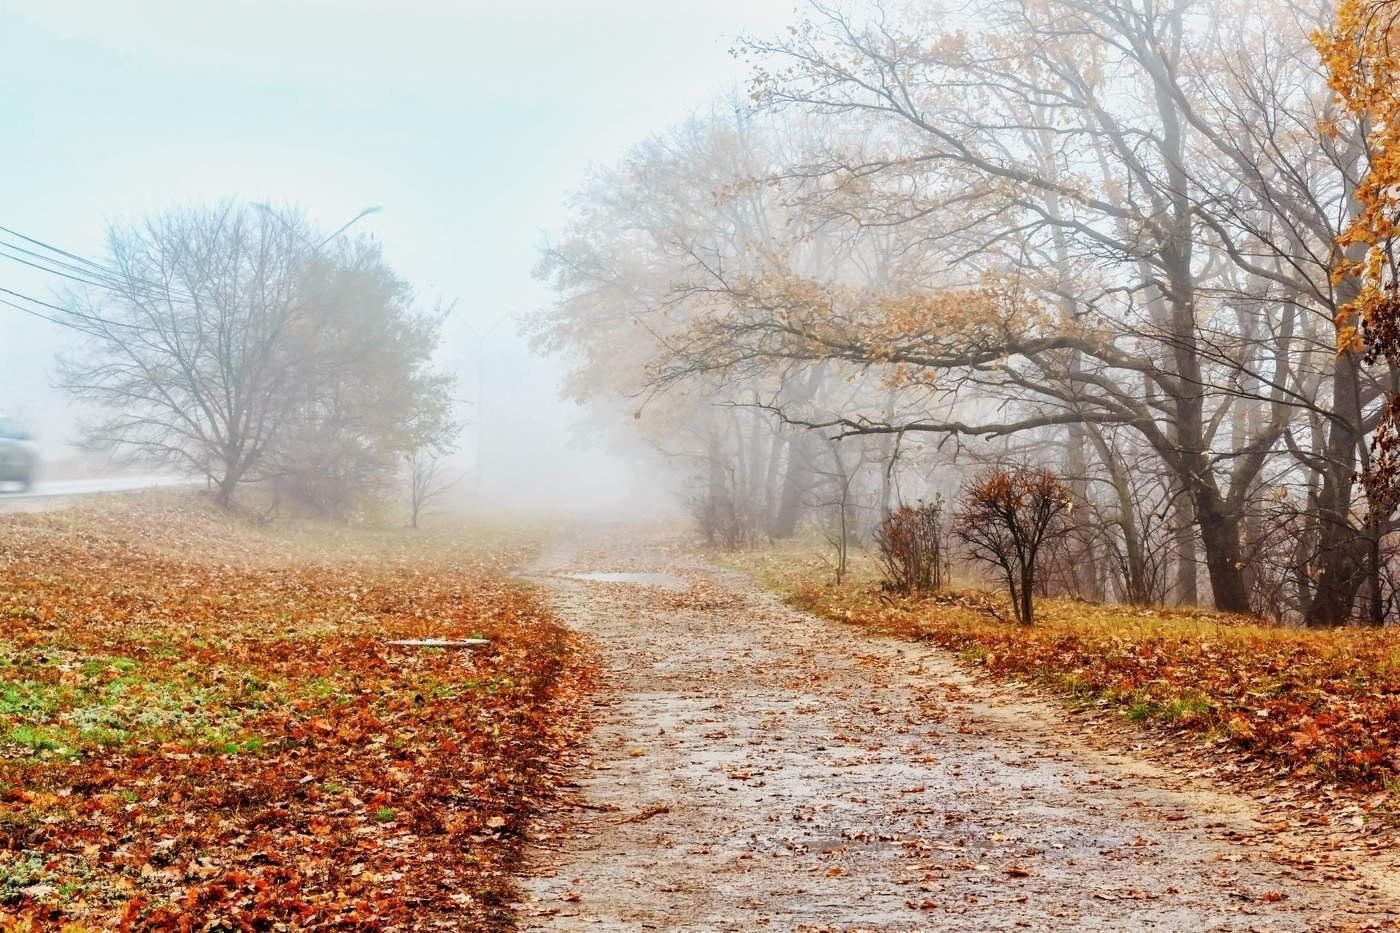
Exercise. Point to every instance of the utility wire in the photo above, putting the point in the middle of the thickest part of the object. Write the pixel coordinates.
(111, 279)
(95, 275)
(79, 315)
(52, 248)
(106, 284)
(45, 317)
(95, 283)
(79, 269)
(61, 267)
(39, 314)
(106, 271)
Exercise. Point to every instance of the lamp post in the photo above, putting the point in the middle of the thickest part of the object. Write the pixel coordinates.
(265, 208)
(374, 209)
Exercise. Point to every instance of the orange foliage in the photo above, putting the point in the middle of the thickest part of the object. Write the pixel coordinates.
(1363, 69)
(918, 332)
(197, 725)
(1322, 705)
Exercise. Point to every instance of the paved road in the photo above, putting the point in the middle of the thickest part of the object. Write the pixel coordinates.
(50, 494)
(754, 768)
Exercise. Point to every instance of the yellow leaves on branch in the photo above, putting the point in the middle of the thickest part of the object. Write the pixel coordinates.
(995, 314)
(912, 330)
(1363, 70)
(988, 313)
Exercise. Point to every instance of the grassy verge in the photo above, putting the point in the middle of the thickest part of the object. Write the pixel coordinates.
(201, 719)
(1322, 706)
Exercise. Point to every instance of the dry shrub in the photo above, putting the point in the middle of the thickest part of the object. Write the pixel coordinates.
(1008, 514)
(723, 520)
(910, 544)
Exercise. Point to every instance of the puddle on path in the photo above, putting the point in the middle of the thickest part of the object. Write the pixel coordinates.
(665, 581)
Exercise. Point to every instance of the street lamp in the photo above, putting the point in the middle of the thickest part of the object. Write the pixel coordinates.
(375, 209)
(266, 208)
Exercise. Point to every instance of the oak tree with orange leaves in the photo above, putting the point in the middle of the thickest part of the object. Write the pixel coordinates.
(1363, 68)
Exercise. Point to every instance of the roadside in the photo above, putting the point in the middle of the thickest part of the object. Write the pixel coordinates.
(50, 494)
(1313, 715)
(755, 767)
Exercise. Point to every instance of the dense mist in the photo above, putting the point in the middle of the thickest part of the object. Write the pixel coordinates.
(820, 265)
(467, 124)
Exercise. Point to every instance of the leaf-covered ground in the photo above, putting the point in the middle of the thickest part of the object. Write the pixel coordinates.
(757, 768)
(1320, 706)
(203, 720)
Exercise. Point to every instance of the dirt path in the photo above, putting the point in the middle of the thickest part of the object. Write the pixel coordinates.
(755, 768)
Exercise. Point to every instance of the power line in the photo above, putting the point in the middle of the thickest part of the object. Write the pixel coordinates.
(103, 283)
(112, 279)
(75, 267)
(59, 266)
(96, 275)
(40, 315)
(111, 285)
(80, 315)
(52, 248)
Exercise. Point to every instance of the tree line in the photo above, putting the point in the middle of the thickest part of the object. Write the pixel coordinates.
(1144, 243)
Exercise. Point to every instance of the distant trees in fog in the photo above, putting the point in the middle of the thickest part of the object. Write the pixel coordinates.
(238, 342)
(1106, 236)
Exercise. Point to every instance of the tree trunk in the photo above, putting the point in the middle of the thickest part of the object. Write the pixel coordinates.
(886, 494)
(1083, 554)
(1343, 550)
(757, 469)
(1187, 588)
(1136, 586)
(795, 482)
(1340, 569)
(799, 466)
(771, 491)
(1220, 538)
(227, 485)
(714, 488)
(1191, 460)
(1026, 610)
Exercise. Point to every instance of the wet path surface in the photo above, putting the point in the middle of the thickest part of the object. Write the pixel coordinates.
(754, 768)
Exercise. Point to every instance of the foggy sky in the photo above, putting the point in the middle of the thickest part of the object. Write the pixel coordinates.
(467, 122)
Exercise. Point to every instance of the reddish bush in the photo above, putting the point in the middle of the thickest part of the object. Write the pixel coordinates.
(1007, 516)
(910, 544)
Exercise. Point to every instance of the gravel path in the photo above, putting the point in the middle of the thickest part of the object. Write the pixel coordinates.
(755, 768)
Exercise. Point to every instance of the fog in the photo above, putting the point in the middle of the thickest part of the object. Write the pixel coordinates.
(467, 123)
(791, 272)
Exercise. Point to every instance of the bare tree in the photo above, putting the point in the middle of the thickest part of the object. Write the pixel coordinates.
(429, 480)
(1007, 516)
(189, 354)
(238, 343)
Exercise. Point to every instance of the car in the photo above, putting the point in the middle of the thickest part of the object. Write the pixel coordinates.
(17, 457)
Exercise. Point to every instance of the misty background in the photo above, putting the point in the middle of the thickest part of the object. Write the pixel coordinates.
(468, 123)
